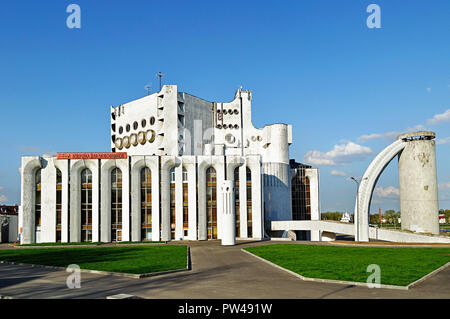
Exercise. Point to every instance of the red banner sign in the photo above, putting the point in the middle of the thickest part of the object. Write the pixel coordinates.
(92, 155)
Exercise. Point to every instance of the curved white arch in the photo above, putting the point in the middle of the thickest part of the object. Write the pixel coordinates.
(367, 186)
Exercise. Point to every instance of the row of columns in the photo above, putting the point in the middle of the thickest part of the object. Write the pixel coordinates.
(160, 167)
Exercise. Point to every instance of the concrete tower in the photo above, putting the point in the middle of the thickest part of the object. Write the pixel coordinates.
(418, 183)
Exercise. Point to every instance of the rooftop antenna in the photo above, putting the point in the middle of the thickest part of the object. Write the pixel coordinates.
(160, 76)
(147, 88)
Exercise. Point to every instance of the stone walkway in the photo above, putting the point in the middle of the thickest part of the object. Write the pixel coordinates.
(217, 272)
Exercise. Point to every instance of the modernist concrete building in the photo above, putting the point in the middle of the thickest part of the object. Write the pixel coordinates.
(171, 155)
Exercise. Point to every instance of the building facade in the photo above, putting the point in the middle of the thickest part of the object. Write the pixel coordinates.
(170, 154)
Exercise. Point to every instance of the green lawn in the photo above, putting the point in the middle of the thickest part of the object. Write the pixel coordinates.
(133, 260)
(399, 266)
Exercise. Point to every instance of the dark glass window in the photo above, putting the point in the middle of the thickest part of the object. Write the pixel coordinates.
(86, 205)
(58, 204)
(116, 205)
(146, 204)
(211, 202)
(301, 200)
(249, 203)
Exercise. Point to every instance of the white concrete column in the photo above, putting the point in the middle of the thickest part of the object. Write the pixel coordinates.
(228, 218)
(48, 201)
(243, 200)
(234, 162)
(63, 166)
(30, 164)
(190, 163)
(254, 164)
(313, 175)
(167, 162)
(179, 202)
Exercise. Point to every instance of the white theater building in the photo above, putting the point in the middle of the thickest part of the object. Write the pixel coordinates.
(170, 153)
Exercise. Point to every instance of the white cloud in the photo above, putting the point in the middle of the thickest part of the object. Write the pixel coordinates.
(440, 118)
(442, 141)
(444, 185)
(3, 199)
(390, 136)
(387, 192)
(29, 149)
(339, 155)
(338, 173)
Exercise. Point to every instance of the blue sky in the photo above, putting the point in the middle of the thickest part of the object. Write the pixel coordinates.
(346, 89)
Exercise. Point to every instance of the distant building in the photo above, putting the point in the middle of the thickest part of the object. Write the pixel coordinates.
(442, 219)
(345, 218)
(8, 223)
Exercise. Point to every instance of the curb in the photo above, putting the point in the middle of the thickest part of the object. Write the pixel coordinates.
(118, 274)
(355, 283)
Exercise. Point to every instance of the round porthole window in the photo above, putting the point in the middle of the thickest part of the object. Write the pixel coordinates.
(128, 127)
(143, 123)
(230, 138)
(120, 130)
(141, 138)
(236, 111)
(133, 139)
(152, 120)
(126, 141)
(135, 125)
(118, 143)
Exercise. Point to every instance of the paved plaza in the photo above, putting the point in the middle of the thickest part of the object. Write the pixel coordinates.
(217, 272)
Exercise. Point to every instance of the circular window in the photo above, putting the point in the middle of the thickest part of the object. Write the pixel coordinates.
(253, 138)
(120, 130)
(126, 141)
(152, 120)
(230, 111)
(118, 143)
(229, 138)
(150, 135)
(141, 138)
(128, 127)
(236, 111)
(135, 125)
(259, 138)
(134, 139)
(143, 123)
(224, 112)
(236, 126)
(219, 126)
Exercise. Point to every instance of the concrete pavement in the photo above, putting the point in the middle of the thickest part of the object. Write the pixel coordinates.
(217, 272)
